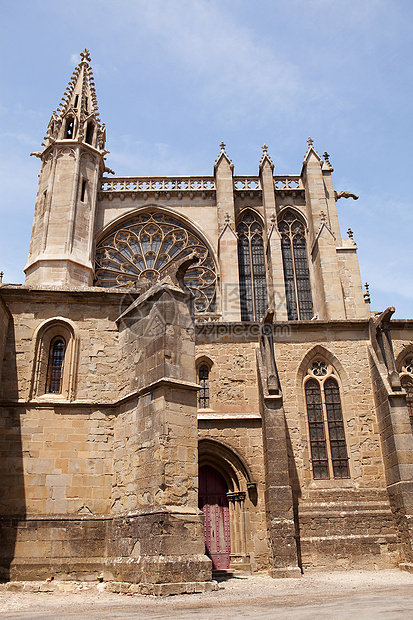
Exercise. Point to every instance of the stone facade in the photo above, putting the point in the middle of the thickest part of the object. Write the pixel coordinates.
(179, 330)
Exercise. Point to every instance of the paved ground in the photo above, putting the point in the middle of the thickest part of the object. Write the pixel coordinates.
(369, 595)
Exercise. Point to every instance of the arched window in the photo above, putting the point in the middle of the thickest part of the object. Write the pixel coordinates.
(55, 360)
(203, 394)
(90, 130)
(55, 366)
(325, 421)
(252, 271)
(295, 263)
(70, 125)
(146, 246)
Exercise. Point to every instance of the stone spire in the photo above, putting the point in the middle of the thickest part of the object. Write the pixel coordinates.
(73, 159)
(77, 115)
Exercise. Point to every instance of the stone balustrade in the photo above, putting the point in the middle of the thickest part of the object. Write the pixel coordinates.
(285, 182)
(157, 184)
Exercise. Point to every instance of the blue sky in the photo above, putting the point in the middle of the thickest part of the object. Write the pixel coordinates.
(175, 77)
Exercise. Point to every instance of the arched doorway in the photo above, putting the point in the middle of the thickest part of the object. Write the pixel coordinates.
(214, 504)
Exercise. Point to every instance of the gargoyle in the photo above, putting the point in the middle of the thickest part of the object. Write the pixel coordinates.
(340, 194)
(176, 272)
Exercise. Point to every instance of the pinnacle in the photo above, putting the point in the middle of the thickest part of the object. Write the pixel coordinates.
(79, 104)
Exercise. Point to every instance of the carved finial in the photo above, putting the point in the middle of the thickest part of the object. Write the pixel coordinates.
(273, 218)
(1, 276)
(367, 293)
(323, 217)
(265, 149)
(85, 56)
(222, 146)
(310, 142)
(326, 157)
(350, 233)
(227, 218)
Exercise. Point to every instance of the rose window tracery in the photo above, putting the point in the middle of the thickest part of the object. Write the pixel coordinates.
(146, 246)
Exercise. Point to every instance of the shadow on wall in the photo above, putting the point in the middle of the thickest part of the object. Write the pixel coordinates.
(12, 494)
(296, 492)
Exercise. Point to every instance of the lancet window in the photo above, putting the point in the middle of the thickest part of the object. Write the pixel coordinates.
(90, 130)
(55, 366)
(203, 394)
(325, 422)
(296, 272)
(70, 125)
(252, 269)
(144, 247)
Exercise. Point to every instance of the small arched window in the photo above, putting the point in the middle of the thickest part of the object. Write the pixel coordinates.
(90, 130)
(295, 264)
(55, 365)
(252, 270)
(70, 126)
(325, 421)
(203, 394)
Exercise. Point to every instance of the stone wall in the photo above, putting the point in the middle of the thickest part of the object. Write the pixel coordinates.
(339, 522)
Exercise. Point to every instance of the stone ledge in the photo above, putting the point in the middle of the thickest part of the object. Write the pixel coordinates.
(114, 587)
(161, 589)
(406, 566)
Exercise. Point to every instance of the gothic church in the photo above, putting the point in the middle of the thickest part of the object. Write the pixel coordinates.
(192, 378)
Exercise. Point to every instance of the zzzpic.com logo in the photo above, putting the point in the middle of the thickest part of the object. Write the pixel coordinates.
(148, 316)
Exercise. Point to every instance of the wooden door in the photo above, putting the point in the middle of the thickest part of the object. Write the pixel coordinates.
(214, 504)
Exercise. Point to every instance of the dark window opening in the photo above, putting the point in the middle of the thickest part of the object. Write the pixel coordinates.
(203, 395)
(316, 428)
(90, 130)
(55, 366)
(327, 441)
(336, 429)
(70, 124)
(83, 192)
(76, 101)
(296, 272)
(86, 104)
(252, 269)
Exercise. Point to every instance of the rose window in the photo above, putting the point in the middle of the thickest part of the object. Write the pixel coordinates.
(146, 246)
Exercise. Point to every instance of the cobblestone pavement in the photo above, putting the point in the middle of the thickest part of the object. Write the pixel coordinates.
(380, 595)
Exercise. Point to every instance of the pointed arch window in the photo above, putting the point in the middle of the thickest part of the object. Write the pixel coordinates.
(325, 421)
(55, 366)
(90, 130)
(296, 272)
(252, 269)
(70, 127)
(203, 395)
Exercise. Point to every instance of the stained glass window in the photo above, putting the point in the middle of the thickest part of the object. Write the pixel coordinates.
(252, 269)
(147, 245)
(325, 421)
(203, 395)
(55, 366)
(296, 273)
